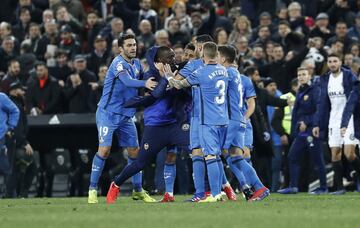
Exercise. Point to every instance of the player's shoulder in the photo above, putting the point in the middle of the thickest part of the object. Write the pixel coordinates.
(119, 63)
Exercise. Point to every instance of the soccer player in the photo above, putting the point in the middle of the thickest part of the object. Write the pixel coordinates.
(302, 121)
(335, 87)
(197, 155)
(161, 128)
(121, 83)
(234, 143)
(212, 80)
(352, 107)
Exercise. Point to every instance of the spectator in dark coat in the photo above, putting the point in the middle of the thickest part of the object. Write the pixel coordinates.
(50, 36)
(341, 30)
(13, 75)
(62, 70)
(22, 27)
(322, 28)
(7, 53)
(36, 13)
(176, 36)
(77, 89)
(27, 60)
(99, 55)
(68, 41)
(97, 88)
(146, 39)
(93, 26)
(43, 94)
(354, 31)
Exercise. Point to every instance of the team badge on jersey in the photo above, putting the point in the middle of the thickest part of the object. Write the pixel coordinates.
(306, 97)
(101, 140)
(119, 67)
(146, 146)
(310, 140)
(185, 127)
(352, 137)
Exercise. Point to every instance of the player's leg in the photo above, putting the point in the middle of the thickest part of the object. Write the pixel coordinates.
(296, 150)
(210, 142)
(335, 144)
(198, 161)
(169, 175)
(349, 150)
(317, 154)
(106, 129)
(150, 146)
(248, 142)
(276, 168)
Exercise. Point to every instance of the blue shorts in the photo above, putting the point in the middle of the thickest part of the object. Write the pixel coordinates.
(123, 126)
(248, 135)
(194, 133)
(234, 135)
(212, 139)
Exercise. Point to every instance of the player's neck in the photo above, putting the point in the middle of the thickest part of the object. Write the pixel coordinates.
(126, 58)
(336, 74)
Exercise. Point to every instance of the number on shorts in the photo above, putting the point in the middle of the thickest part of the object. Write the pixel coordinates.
(221, 86)
(103, 131)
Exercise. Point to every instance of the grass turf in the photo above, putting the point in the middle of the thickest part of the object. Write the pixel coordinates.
(300, 210)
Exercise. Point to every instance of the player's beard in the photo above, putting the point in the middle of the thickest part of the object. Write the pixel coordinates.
(335, 71)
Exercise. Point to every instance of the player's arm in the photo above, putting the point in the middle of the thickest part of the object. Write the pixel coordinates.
(128, 81)
(173, 82)
(251, 103)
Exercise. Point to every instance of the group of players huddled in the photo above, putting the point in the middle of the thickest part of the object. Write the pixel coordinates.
(203, 105)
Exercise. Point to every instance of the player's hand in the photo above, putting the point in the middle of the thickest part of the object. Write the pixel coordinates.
(10, 133)
(28, 149)
(61, 83)
(302, 126)
(284, 140)
(168, 72)
(316, 132)
(150, 83)
(343, 131)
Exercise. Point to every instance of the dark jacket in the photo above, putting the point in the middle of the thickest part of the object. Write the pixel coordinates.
(46, 99)
(305, 109)
(94, 61)
(77, 97)
(22, 128)
(353, 108)
(282, 72)
(324, 106)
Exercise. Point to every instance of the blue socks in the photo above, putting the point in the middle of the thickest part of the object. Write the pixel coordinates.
(248, 160)
(223, 179)
(169, 176)
(137, 178)
(199, 174)
(249, 173)
(236, 169)
(214, 176)
(96, 170)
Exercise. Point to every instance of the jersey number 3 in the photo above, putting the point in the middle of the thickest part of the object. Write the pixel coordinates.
(220, 99)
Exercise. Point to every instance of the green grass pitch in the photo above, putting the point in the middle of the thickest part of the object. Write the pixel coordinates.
(278, 211)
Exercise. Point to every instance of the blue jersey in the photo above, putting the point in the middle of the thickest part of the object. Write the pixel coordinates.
(188, 69)
(235, 95)
(247, 92)
(213, 84)
(115, 93)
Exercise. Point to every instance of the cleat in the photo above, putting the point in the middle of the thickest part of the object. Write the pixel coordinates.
(112, 194)
(319, 191)
(247, 192)
(339, 192)
(290, 190)
(207, 194)
(260, 194)
(230, 193)
(92, 198)
(211, 199)
(196, 198)
(144, 196)
(167, 198)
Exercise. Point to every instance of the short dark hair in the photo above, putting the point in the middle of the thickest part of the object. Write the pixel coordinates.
(34, 24)
(190, 46)
(284, 22)
(228, 52)
(334, 55)
(124, 37)
(250, 70)
(12, 61)
(40, 63)
(161, 52)
(177, 46)
(203, 38)
(210, 50)
(24, 9)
